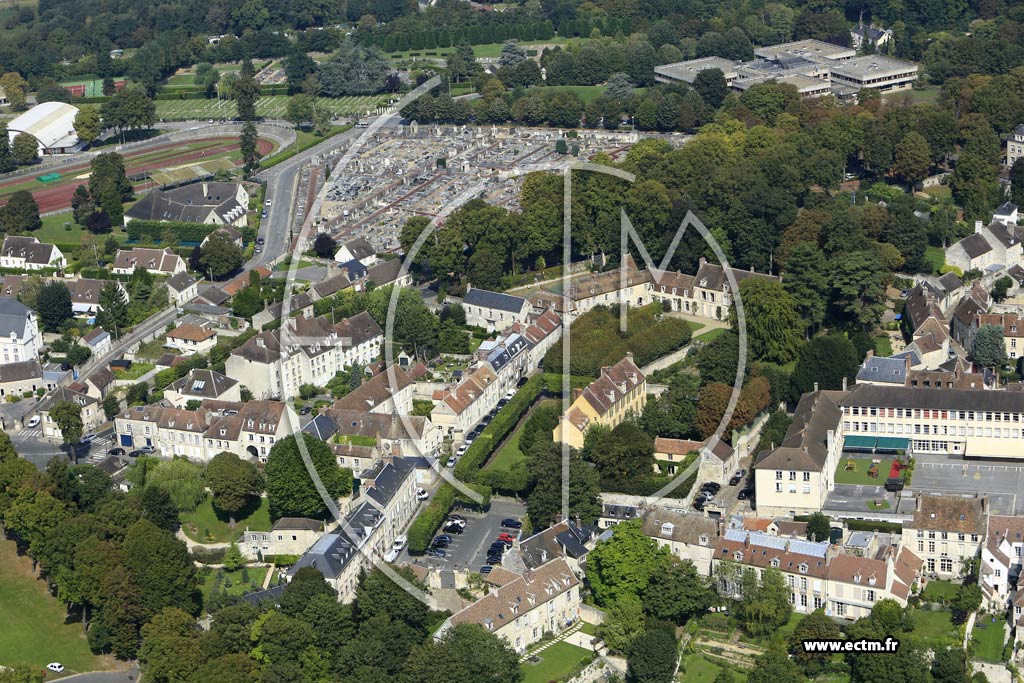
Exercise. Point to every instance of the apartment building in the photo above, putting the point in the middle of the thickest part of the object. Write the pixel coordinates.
(1001, 560)
(522, 608)
(288, 536)
(687, 536)
(313, 351)
(946, 532)
(990, 247)
(28, 253)
(248, 429)
(1015, 145)
(19, 331)
(619, 392)
(1013, 331)
(381, 510)
(952, 421)
(388, 392)
(92, 411)
(568, 540)
(542, 332)
(818, 576)
(797, 476)
(459, 409)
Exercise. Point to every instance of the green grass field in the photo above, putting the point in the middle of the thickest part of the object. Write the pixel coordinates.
(206, 519)
(859, 475)
(93, 86)
(272, 107)
(556, 663)
(988, 639)
(935, 627)
(938, 590)
(35, 630)
(54, 230)
(188, 78)
(709, 335)
(585, 92)
(883, 346)
(487, 51)
(929, 94)
(935, 257)
(698, 669)
(510, 454)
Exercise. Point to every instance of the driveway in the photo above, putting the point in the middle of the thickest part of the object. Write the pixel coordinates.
(127, 676)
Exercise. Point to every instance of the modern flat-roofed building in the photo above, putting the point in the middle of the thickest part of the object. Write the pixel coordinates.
(876, 72)
(687, 71)
(809, 49)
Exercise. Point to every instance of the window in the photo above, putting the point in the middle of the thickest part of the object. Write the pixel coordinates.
(807, 476)
(870, 595)
(778, 487)
(840, 609)
(778, 474)
(807, 488)
(946, 565)
(792, 476)
(931, 546)
(920, 546)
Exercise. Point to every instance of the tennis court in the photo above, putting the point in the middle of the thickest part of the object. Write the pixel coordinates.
(89, 88)
(271, 107)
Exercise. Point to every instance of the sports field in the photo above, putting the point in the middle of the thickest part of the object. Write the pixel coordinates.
(57, 194)
(271, 107)
(92, 87)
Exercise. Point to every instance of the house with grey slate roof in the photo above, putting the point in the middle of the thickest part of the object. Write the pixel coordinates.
(208, 202)
(494, 310)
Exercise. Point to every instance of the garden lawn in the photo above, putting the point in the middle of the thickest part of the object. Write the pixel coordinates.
(709, 336)
(269, 106)
(35, 631)
(509, 454)
(934, 258)
(136, 371)
(238, 585)
(206, 519)
(699, 669)
(584, 92)
(860, 474)
(794, 619)
(61, 227)
(883, 346)
(557, 662)
(988, 641)
(938, 590)
(932, 627)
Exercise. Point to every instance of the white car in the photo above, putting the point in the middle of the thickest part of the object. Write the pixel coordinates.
(421, 494)
(510, 394)
(451, 462)
(32, 422)
(399, 542)
(268, 203)
(56, 667)
(462, 451)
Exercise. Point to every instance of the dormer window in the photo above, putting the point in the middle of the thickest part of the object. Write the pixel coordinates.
(802, 567)
(856, 577)
(872, 580)
(775, 563)
(703, 540)
(738, 556)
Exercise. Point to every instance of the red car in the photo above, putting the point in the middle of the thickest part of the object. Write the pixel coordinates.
(506, 537)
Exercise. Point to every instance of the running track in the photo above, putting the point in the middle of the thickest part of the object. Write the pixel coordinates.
(59, 196)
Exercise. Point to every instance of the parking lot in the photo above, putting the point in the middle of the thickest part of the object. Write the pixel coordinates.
(999, 480)
(468, 550)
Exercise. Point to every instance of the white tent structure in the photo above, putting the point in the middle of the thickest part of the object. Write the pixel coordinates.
(52, 124)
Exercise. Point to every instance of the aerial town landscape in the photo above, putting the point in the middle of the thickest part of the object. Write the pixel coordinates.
(529, 342)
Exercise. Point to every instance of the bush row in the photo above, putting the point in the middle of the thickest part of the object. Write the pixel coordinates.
(185, 232)
(281, 560)
(468, 467)
(421, 531)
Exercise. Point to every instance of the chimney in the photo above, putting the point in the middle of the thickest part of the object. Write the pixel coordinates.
(870, 355)
(815, 386)
(978, 225)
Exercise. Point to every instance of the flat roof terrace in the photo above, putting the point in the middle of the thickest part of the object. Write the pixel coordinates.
(808, 49)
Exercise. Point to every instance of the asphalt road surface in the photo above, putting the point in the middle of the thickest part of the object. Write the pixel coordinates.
(1000, 481)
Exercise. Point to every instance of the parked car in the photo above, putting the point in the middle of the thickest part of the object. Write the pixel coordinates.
(435, 552)
(268, 203)
(147, 449)
(522, 381)
(451, 462)
(506, 537)
(116, 451)
(737, 478)
(462, 451)
(260, 240)
(486, 569)
(493, 560)
(510, 394)
(305, 410)
(745, 494)
(712, 486)
(452, 528)
(456, 519)
(400, 542)
(510, 523)
(56, 667)
(698, 505)
(88, 438)
(32, 422)
(264, 214)
(422, 494)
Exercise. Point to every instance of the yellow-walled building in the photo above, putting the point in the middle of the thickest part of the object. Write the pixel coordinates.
(620, 391)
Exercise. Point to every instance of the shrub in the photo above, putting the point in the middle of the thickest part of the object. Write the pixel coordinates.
(421, 532)
(281, 560)
(186, 232)
(504, 422)
(208, 555)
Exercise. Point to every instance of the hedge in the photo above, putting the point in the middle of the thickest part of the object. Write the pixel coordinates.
(468, 467)
(869, 525)
(281, 560)
(42, 272)
(421, 531)
(186, 232)
(553, 382)
(182, 95)
(206, 555)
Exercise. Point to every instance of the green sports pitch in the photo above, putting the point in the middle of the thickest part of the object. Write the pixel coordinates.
(271, 107)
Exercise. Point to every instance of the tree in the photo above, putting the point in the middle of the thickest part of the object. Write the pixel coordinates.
(711, 86)
(322, 119)
(161, 566)
(764, 605)
(624, 564)
(512, 54)
(806, 280)
(619, 86)
(325, 246)
(98, 222)
(130, 108)
(20, 213)
(68, 417)
(290, 489)
(544, 503)
(248, 145)
(353, 70)
(989, 346)
(7, 163)
(621, 454)
(966, 600)
(818, 527)
(471, 655)
(170, 648)
(623, 623)
(24, 149)
(111, 406)
(54, 305)
(775, 666)
(652, 657)
(220, 256)
(859, 289)
(774, 330)
(1001, 287)
(233, 482)
(113, 313)
(246, 91)
(825, 361)
(815, 626)
(912, 158)
(15, 87)
(247, 302)
(677, 592)
(183, 481)
(1016, 181)
(233, 560)
(299, 109)
(950, 666)
(109, 185)
(81, 204)
(87, 124)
